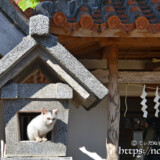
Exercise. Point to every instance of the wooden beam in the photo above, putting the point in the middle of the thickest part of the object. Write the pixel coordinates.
(94, 63)
(133, 90)
(122, 42)
(107, 33)
(139, 77)
(148, 54)
(129, 77)
(135, 65)
(122, 64)
(130, 42)
(96, 54)
(129, 48)
(113, 110)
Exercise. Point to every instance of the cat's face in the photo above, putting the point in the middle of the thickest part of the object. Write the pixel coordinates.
(49, 116)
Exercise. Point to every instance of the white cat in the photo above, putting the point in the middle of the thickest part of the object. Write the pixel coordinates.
(41, 125)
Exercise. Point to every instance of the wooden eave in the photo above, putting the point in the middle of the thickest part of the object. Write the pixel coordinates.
(128, 48)
(137, 43)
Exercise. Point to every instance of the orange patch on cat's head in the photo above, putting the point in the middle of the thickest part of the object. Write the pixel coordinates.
(44, 110)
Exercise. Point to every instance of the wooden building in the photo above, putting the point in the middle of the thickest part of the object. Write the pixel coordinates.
(116, 40)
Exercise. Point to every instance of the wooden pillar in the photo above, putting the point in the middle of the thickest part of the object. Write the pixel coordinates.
(113, 110)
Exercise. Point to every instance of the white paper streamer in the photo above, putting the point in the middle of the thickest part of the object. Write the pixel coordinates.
(143, 103)
(156, 100)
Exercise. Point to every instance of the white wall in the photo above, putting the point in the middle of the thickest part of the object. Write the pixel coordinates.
(87, 128)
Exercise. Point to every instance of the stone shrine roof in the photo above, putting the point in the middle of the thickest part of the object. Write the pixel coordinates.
(40, 44)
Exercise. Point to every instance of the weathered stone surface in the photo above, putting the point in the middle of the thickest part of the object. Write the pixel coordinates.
(41, 91)
(74, 66)
(46, 91)
(9, 61)
(38, 158)
(10, 90)
(63, 91)
(55, 147)
(16, 54)
(66, 77)
(39, 25)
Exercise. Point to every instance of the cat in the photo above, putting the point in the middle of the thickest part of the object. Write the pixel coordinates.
(41, 125)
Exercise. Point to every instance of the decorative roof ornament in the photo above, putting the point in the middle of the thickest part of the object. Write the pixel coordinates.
(39, 26)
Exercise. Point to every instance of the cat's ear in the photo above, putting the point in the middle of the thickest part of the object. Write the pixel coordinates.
(44, 111)
(55, 111)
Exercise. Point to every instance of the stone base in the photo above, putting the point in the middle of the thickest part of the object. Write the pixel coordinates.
(38, 158)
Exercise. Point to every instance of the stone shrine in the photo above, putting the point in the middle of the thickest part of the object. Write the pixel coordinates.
(20, 102)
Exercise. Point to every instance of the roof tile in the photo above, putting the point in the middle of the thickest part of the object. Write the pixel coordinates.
(112, 13)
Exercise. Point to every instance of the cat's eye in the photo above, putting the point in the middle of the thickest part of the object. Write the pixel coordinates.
(54, 119)
(48, 118)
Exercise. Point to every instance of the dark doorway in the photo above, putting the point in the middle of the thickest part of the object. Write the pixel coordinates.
(138, 134)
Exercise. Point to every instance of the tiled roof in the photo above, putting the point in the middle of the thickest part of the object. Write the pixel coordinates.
(99, 15)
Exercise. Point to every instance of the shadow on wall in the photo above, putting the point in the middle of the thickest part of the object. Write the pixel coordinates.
(58, 138)
(87, 132)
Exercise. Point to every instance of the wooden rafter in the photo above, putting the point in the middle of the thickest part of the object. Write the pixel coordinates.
(129, 48)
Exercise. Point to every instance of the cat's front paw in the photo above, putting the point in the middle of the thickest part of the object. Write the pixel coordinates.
(38, 139)
(44, 139)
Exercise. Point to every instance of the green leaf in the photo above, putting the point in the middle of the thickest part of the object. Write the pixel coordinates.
(24, 4)
(35, 4)
(29, 4)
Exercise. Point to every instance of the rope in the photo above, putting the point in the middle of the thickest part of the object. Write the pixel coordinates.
(126, 101)
(141, 86)
(126, 95)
